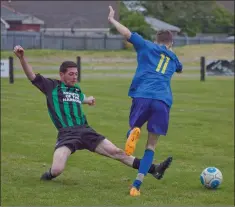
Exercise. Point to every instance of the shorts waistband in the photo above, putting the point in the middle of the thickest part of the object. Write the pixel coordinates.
(72, 128)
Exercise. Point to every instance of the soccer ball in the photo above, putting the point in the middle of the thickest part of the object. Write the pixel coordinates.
(211, 177)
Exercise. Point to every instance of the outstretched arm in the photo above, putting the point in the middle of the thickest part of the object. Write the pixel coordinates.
(120, 28)
(19, 51)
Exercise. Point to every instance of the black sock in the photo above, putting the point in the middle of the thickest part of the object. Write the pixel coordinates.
(136, 165)
(50, 175)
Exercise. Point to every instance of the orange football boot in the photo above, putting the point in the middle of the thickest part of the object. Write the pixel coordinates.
(132, 140)
(134, 192)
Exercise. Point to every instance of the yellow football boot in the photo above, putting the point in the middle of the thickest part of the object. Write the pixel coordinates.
(134, 192)
(132, 140)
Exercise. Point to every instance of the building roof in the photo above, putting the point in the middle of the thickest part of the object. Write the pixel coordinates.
(157, 24)
(229, 5)
(9, 14)
(68, 14)
(4, 24)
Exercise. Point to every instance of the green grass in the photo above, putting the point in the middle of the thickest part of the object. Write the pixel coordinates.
(90, 71)
(189, 53)
(201, 134)
(85, 64)
(84, 53)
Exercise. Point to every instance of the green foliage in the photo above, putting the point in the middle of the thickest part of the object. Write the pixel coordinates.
(192, 16)
(185, 14)
(223, 21)
(134, 21)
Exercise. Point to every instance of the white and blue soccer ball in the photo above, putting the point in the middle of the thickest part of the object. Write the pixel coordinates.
(211, 177)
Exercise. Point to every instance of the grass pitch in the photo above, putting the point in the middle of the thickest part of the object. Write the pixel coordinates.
(201, 134)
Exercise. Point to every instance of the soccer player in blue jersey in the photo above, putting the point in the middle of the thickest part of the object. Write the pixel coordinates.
(151, 95)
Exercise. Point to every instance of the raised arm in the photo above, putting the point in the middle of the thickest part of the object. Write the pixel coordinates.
(132, 37)
(19, 51)
(120, 28)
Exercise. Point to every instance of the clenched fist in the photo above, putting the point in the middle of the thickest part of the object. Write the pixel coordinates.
(19, 51)
(91, 101)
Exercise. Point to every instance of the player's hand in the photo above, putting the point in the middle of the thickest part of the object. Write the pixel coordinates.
(19, 51)
(111, 13)
(91, 101)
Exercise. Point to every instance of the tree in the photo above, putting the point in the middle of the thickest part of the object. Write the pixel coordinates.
(191, 16)
(222, 22)
(135, 21)
(188, 15)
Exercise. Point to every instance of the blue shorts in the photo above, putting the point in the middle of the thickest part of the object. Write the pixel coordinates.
(153, 111)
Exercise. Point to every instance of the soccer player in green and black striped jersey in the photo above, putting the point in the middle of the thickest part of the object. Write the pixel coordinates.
(64, 103)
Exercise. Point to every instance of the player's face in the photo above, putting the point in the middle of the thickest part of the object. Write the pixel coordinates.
(70, 76)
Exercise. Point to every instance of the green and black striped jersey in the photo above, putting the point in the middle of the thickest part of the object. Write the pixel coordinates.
(64, 103)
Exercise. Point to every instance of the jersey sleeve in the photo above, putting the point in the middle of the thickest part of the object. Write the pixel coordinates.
(179, 66)
(137, 40)
(82, 96)
(45, 85)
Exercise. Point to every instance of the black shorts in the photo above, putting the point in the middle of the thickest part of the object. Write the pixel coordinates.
(78, 138)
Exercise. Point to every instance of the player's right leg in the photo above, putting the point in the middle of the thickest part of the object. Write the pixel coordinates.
(139, 114)
(157, 125)
(64, 147)
(60, 157)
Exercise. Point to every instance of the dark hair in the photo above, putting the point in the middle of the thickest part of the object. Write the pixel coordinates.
(164, 37)
(67, 64)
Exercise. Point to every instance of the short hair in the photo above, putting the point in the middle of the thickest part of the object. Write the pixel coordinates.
(164, 37)
(67, 64)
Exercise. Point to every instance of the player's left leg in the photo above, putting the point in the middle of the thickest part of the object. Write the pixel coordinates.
(108, 149)
(158, 124)
(96, 142)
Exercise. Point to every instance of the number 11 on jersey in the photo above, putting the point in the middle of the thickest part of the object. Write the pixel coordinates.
(161, 67)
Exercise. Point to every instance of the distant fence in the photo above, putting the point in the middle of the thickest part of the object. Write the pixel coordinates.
(180, 41)
(35, 40)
